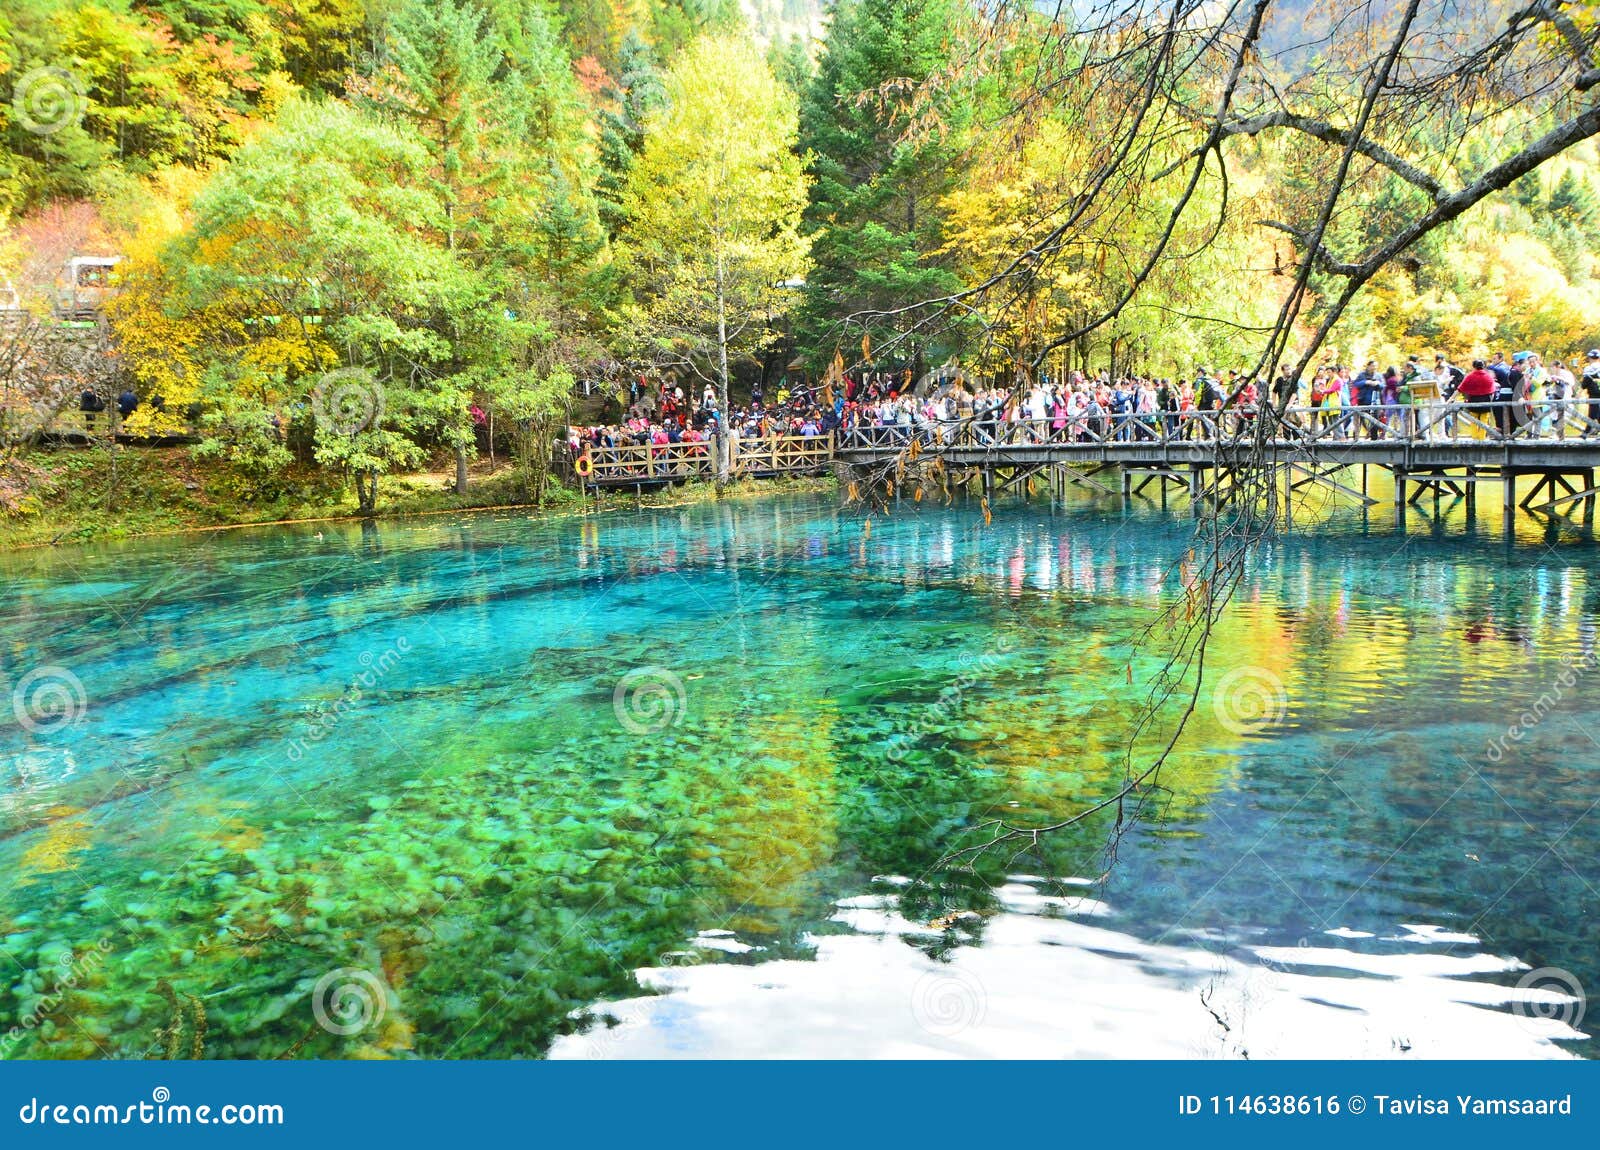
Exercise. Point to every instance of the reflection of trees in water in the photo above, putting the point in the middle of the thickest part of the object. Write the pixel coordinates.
(543, 862)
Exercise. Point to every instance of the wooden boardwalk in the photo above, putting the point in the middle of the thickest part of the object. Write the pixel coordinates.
(1551, 449)
(653, 465)
(1432, 447)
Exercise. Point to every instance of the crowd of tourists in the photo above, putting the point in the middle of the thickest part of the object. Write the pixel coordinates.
(1501, 394)
(667, 416)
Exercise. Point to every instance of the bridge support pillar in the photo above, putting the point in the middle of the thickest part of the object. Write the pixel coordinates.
(1127, 485)
(1508, 486)
(1400, 497)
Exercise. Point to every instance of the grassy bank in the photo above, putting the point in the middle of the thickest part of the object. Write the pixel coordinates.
(88, 494)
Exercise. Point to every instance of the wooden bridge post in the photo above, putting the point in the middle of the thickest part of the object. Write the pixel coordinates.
(1508, 486)
(1400, 497)
(1127, 486)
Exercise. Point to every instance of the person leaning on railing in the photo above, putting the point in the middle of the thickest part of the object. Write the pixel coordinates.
(1478, 389)
(1367, 391)
(1563, 384)
(1590, 382)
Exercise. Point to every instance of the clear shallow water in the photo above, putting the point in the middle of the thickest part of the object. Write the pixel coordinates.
(375, 793)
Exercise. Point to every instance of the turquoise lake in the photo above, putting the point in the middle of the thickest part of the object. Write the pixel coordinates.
(683, 783)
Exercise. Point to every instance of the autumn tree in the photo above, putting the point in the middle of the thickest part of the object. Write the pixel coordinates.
(490, 93)
(310, 256)
(94, 95)
(1395, 121)
(714, 205)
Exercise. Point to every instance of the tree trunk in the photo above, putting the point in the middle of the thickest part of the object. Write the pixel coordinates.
(722, 364)
(366, 492)
(461, 471)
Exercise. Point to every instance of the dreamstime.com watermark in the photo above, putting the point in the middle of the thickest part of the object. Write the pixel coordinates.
(347, 401)
(649, 699)
(608, 1028)
(48, 699)
(1572, 670)
(49, 99)
(946, 1002)
(940, 712)
(349, 1001)
(1552, 995)
(1248, 700)
(327, 719)
(159, 1110)
(71, 969)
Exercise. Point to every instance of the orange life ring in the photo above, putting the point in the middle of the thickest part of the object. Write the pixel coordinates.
(585, 466)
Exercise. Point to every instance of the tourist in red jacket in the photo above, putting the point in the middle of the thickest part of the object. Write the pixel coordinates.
(1478, 388)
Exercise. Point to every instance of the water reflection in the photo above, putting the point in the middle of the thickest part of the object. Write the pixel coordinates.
(1059, 978)
(244, 807)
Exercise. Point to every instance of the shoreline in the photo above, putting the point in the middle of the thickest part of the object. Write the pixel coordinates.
(688, 495)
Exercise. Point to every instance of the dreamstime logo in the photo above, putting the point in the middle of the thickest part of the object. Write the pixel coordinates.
(946, 1002)
(649, 699)
(347, 401)
(606, 1030)
(326, 718)
(1277, 960)
(1248, 700)
(48, 699)
(1557, 997)
(349, 1001)
(975, 669)
(680, 958)
(1571, 671)
(72, 969)
(49, 99)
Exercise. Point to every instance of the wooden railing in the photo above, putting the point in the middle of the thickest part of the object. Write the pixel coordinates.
(780, 454)
(1428, 421)
(646, 462)
(599, 466)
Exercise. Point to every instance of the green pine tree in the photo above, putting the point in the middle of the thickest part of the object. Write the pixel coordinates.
(1572, 200)
(636, 93)
(875, 202)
